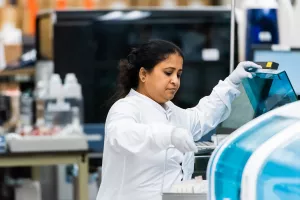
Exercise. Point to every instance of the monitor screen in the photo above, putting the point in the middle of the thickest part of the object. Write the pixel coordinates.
(92, 47)
(288, 61)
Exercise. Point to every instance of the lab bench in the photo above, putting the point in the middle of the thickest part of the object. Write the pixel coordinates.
(38, 159)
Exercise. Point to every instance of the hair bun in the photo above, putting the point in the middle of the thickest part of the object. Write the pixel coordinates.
(132, 57)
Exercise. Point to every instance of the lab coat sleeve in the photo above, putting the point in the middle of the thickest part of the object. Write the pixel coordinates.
(209, 112)
(213, 109)
(125, 134)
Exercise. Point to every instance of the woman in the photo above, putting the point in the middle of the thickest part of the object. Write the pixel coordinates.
(144, 122)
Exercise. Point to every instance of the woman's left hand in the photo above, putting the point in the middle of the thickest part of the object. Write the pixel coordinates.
(240, 72)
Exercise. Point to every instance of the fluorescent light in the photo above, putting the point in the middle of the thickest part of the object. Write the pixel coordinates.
(134, 15)
(112, 15)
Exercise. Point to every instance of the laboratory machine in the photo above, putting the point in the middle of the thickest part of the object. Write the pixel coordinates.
(270, 89)
(273, 170)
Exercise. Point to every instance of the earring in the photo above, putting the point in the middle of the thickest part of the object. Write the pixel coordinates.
(143, 79)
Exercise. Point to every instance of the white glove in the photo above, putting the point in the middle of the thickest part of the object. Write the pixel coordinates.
(183, 141)
(240, 73)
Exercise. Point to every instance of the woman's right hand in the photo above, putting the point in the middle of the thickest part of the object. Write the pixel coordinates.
(183, 141)
(240, 72)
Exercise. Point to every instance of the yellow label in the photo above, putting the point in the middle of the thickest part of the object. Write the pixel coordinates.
(269, 64)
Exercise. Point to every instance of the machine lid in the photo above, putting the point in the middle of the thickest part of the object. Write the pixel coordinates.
(268, 90)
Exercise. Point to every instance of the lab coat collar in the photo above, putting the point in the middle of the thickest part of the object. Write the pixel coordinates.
(165, 108)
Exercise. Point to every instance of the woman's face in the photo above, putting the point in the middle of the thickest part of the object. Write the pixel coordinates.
(162, 83)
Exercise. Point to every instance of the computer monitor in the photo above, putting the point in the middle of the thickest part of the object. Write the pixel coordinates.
(91, 43)
(289, 61)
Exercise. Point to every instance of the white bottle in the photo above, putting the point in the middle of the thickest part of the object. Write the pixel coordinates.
(72, 89)
(40, 96)
(26, 109)
(76, 125)
(55, 86)
(73, 93)
(58, 112)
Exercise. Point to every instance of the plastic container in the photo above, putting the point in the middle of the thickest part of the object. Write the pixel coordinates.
(57, 112)
(26, 109)
(40, 98)
(73, 94)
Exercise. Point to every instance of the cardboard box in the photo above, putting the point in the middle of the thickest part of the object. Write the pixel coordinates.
(8, 14)
(26, 22)
(46, 4)
(150, 3)
(143, 3)
(46, 38)
(107, 4)
(182, 2)
(91, 4)
(12, 53)
(158, 3)
(75, 4)
(204, 2)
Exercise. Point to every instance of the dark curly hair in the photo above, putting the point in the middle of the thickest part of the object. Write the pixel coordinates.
(148, 55)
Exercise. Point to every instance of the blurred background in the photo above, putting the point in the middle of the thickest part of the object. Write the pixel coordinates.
(58, 70)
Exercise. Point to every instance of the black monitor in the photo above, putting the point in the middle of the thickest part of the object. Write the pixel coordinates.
(91, 43)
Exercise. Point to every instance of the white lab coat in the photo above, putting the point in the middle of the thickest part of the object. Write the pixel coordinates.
(137, 134)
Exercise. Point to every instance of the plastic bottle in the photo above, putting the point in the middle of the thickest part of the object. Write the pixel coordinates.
(73, 94)
(40, 97)
(26, 109)
(55, 85)
(58, 112)
(76, 125)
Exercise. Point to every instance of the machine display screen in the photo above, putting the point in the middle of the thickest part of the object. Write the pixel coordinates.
(288, 61)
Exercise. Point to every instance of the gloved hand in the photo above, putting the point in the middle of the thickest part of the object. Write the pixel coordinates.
(240, 73)
(183, 141)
